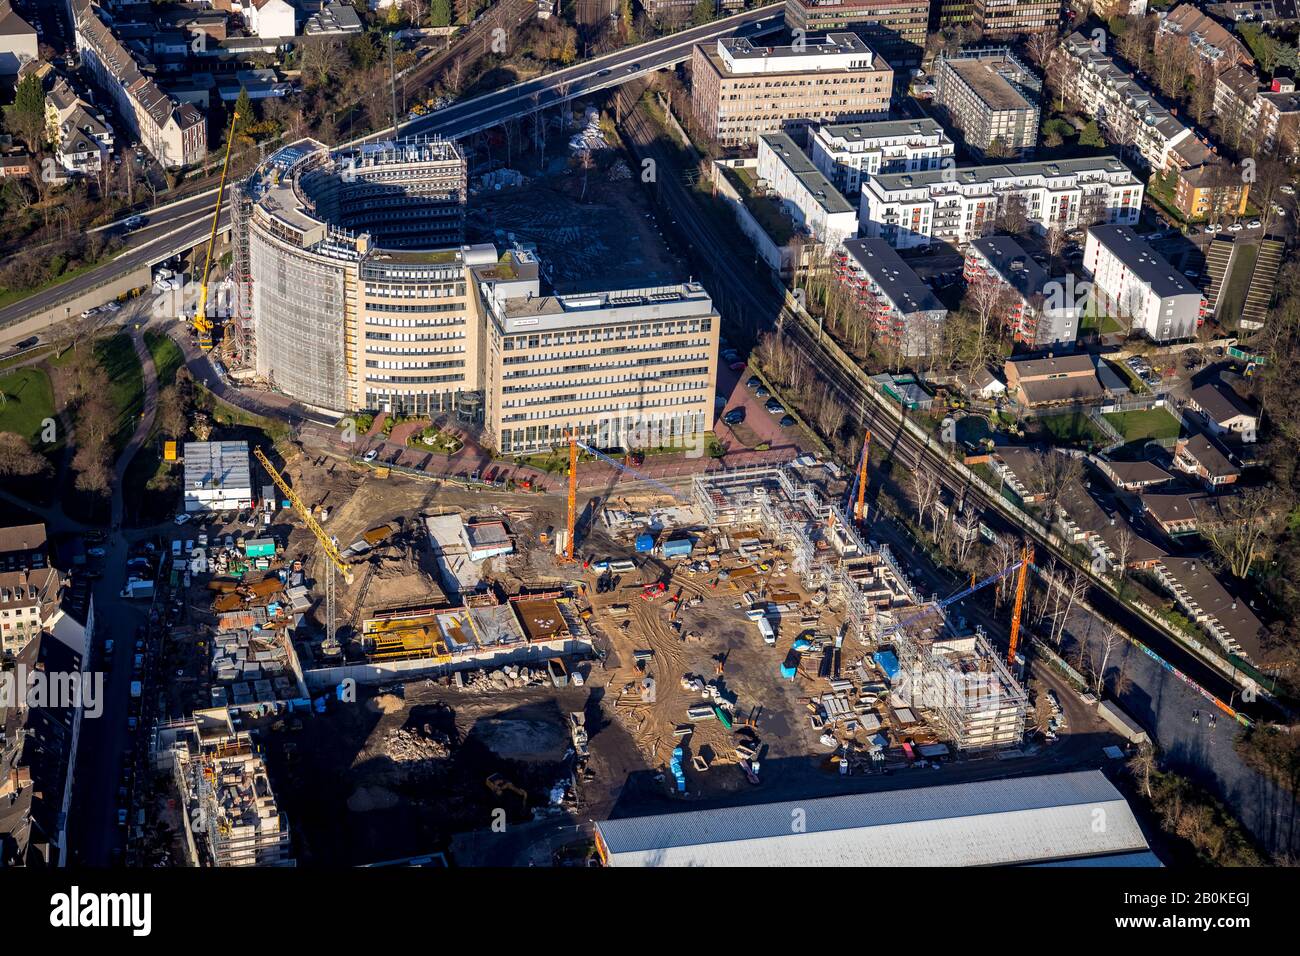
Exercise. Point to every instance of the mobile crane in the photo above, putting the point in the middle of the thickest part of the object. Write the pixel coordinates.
(202, 324)
(332, 557)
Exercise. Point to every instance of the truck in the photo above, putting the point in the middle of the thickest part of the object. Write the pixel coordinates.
(1122, 723)
(137, 589)
(136, 688)
(765, 629)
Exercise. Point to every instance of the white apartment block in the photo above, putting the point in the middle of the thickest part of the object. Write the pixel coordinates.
(1040, 310)
(911, 210)
(814, 204)
(270, 19)
(1137, 285)
(174, 133)
(848, 153)
(1127, 112)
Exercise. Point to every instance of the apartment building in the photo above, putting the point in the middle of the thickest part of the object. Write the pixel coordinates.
(739, 90)
(1211, 192)
(18, 40)
(992, 98)
(1134, 283)
(905, 313)
(1038, 310)
(848, 153)
(895, 28)
(1128, 113)
(1266, 117)
(30, 589)
(82, 140)
(809, 198)
(626, 368)
(1005, 19)
(910, 210)
(1187, 28)
(270, 19)
(338, 304)
(175, 134)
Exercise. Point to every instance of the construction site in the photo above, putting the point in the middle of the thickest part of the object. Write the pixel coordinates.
(402, 642)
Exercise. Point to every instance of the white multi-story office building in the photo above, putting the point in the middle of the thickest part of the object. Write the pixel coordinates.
(1135, 284)
(809, 197)
(910, 210)
(848, 153)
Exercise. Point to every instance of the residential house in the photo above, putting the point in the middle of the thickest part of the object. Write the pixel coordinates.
(1186, 27)
(270, 19)
(1175, 513)
(1053, 380)
(1204, 599)
(1211, 192)
(18, 40)
(1200, 456)
(1084, 520)
(1137, 476)
(1224, 411)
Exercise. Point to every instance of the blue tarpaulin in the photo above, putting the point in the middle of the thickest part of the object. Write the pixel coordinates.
(676, 765)
(887, 661)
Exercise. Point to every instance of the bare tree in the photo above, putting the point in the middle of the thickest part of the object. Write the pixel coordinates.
(1111, 638)
(925, 487)
(1238, 528)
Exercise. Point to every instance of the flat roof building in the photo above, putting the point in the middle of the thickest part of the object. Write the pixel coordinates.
(992, 98)
(897, 28)
(622, 368)
(910, 210)
(811, 200)
(1135, 284)
(1036, 820)
(740, 90)
(904, 310)
(1039, 310)
(848, 153)
(217, 476)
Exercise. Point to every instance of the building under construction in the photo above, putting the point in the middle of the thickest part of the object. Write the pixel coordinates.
(953, 676)
(221, 781)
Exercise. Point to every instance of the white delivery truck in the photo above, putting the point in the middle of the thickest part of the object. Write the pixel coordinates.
(765, 629)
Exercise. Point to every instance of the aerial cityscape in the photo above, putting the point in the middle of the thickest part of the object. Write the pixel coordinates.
(649, 433)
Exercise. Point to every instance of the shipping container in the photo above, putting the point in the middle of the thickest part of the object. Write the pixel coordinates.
(260, 548)
(678, 547)
(645, 543)
(1123, 724)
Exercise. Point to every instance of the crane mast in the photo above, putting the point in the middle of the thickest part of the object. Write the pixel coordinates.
(1026, 559)
(334, 561)
(202, 324)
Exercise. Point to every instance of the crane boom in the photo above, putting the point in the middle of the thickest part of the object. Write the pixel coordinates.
(327, 545)
(202, 324)
(573, 497)
(1026, 559)
(859, 507)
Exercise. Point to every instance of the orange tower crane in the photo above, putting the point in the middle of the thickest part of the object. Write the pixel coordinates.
(859, 509)
(1026, 559)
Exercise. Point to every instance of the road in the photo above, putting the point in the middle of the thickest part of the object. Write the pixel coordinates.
(174, 228)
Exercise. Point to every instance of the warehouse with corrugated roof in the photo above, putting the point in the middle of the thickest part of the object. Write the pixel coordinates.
(1070, 818)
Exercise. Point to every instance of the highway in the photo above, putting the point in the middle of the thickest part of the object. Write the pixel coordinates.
(176, 227)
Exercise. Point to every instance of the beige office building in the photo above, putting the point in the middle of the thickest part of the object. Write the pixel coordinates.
(632, 368)
(740, 91)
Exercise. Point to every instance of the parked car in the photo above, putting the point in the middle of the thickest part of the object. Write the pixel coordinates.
(774, 407)
(787, 421)
(738, 366)
(734, 417)
(1236, 227)
(762, 391)
(753, 382)
(182, 518)
(371, 455)
(1254, 224)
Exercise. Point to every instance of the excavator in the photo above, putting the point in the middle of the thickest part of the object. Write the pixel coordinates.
(500, 786)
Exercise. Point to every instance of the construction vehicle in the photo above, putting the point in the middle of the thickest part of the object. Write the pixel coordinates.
(202, 324)
(578, 732)
(333, 559)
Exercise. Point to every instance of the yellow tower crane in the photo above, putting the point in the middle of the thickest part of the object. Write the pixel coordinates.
(202, 324)
(332, 557)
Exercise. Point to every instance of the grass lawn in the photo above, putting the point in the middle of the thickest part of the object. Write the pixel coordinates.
(1072, 428)
(1145, 425)
(1232, 297)
(225, 414)
(167, 357)
(28, 399)
(126, 389)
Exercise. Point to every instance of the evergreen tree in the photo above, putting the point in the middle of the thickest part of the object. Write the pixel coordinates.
(440, 13)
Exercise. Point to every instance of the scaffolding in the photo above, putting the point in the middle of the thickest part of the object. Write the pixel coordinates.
(956, 677)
